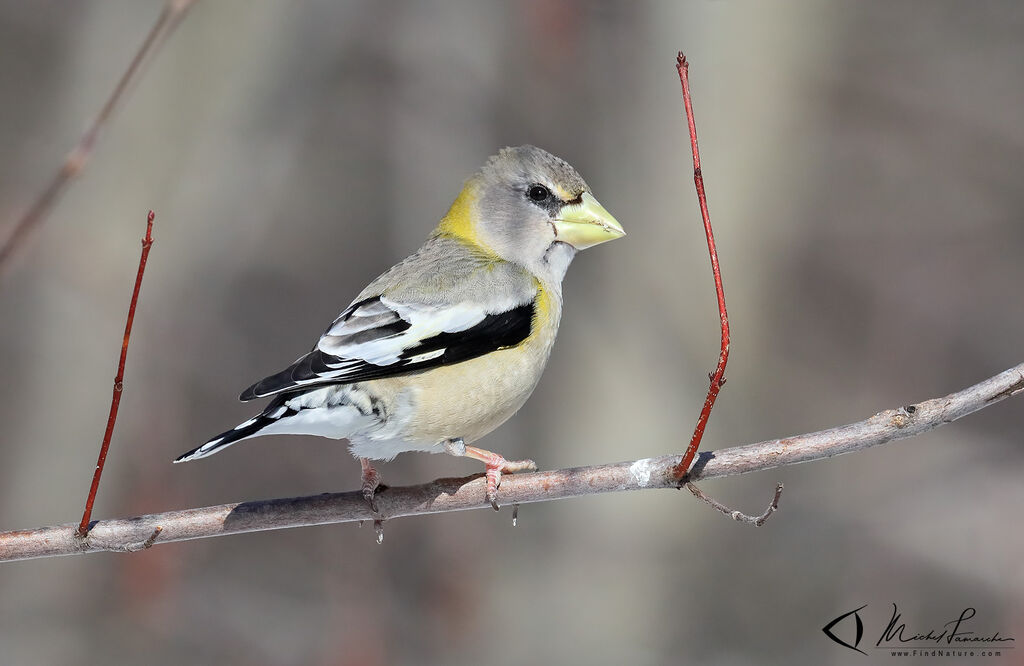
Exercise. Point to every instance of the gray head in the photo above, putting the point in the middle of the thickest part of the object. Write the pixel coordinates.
(527, 206)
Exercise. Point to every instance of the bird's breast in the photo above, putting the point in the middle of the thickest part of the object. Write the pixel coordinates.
(471, 398)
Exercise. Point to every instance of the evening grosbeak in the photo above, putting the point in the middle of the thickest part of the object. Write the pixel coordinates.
(449, 343)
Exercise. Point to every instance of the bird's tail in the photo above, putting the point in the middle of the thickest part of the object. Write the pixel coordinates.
(321, 412)
(274, 412)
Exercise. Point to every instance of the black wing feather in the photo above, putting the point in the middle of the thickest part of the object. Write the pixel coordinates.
(494, 332)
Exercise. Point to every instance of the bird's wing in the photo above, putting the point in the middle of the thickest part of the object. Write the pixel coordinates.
(406, 330)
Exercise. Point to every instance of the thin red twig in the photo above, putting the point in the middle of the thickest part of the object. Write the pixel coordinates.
(115, 400)
(172, 14)
(718, 378)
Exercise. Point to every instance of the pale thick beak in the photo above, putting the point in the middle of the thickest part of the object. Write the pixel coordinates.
(586, 224)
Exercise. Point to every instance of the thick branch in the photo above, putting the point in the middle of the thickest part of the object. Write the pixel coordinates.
(129, 534)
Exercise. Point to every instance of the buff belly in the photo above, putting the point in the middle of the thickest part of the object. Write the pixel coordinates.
(466, 400)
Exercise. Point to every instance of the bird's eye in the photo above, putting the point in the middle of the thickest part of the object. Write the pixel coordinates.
(539, 193)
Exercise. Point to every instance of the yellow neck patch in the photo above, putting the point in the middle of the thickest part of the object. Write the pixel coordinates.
(460, 218)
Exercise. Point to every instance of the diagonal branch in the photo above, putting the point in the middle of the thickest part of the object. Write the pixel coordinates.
(172, 14)
(129, 534)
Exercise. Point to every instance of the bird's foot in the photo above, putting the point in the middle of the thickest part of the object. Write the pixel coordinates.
(370, 482)
(496, 466)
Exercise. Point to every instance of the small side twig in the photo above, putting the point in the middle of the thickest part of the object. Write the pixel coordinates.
(738, 516)
(718, 377)
(115, 400)
(172, 14)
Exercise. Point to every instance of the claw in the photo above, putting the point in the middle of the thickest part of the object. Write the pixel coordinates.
(370, 499)
(493, 481)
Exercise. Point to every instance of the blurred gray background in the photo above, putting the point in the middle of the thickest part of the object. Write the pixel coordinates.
(863, 164)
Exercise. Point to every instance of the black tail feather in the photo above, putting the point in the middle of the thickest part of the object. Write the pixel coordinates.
(274, 411)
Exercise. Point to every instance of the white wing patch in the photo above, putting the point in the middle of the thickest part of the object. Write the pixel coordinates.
(419, 358)
(344, 338)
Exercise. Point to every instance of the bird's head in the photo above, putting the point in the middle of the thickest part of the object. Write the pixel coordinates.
(527, 206)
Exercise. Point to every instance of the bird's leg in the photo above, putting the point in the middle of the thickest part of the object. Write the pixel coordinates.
(455, 446)
(371, 480)
(496, 465)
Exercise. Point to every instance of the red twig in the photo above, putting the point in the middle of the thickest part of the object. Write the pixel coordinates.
(718, 378)
(115, 400)
(172, 14)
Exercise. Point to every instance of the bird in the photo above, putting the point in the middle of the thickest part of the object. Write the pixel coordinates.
(449, 343)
